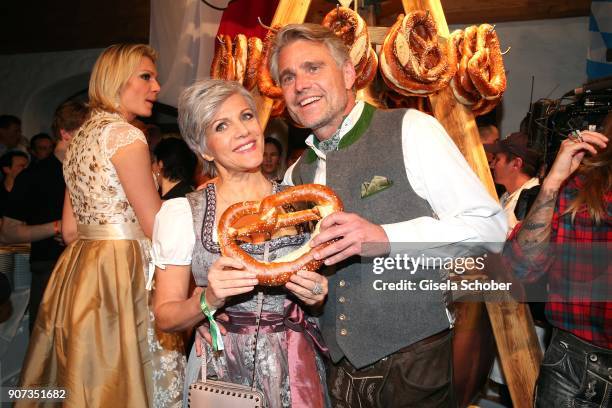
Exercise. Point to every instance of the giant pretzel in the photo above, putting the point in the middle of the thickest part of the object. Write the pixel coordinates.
(486, 67)
(270, 217)
(481, 78)
(412, 60)
(352, 29)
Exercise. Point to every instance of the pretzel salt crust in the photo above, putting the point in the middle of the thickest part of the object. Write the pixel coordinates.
(272, 218)
(480, 80)
(412, 60)
(486, 67)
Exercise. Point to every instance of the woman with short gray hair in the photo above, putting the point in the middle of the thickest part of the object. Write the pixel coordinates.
(198, 106)
(219, 122)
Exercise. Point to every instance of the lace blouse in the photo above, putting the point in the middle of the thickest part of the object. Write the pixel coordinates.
(95, 190)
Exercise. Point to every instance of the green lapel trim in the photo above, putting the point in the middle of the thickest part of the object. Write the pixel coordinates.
(363, 123)
(311, 156)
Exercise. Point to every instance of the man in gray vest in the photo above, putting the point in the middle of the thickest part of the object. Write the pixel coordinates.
(401, 179)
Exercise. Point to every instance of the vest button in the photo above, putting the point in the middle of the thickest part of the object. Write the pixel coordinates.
(342, 283)
(593, 357)
(343, 332)
(342, 317)
(342, 299)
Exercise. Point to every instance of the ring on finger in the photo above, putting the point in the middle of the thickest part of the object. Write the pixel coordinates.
(317, 289)
(575, 136)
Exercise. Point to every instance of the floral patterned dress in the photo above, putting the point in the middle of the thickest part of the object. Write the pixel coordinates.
(95, 335)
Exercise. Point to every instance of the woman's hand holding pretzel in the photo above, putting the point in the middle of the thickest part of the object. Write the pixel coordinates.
(228, 277)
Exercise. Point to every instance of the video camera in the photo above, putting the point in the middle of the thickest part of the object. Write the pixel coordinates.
(550, 121)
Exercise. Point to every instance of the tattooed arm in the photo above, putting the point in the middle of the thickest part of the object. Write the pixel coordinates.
(534, 233)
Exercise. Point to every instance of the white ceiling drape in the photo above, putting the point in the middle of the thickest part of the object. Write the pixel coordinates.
(183, 31)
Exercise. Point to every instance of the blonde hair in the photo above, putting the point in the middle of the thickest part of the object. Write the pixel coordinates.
(597, 173)
(112, 70)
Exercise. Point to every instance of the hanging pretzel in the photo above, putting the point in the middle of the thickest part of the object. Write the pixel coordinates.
(270, 217)
(417, 49)
(480, 79)
(265, 82)
(223, 66)
(413, 62)
(240, 52)
(486, 67)
(254, 47)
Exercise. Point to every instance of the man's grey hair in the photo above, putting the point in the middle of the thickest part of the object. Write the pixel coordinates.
(198, 105)
(309, 32)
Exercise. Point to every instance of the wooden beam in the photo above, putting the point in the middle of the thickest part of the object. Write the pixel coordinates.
(511, 322)
(377, 34)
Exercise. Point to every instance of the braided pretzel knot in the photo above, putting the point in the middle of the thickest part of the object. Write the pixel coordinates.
(486, 67)
(481, 79)
(352, 29)
(270, 217)
(413, 61)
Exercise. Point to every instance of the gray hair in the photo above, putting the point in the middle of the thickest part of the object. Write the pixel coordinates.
(197, 107)
(309, 32)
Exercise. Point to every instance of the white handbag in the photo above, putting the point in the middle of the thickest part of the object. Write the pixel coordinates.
(220, 394)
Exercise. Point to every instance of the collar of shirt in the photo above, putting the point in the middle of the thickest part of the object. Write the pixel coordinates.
(507, 198)
(347, 124)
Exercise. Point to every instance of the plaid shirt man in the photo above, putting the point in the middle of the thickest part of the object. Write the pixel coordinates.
(578, 258)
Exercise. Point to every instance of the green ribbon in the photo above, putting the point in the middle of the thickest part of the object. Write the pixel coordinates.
(215, 333)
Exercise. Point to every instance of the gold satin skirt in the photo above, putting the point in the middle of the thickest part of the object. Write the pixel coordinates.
(90, 336)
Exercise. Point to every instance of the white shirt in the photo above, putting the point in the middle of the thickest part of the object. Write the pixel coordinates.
(438, 173)
(173, 236)
(508, 201)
